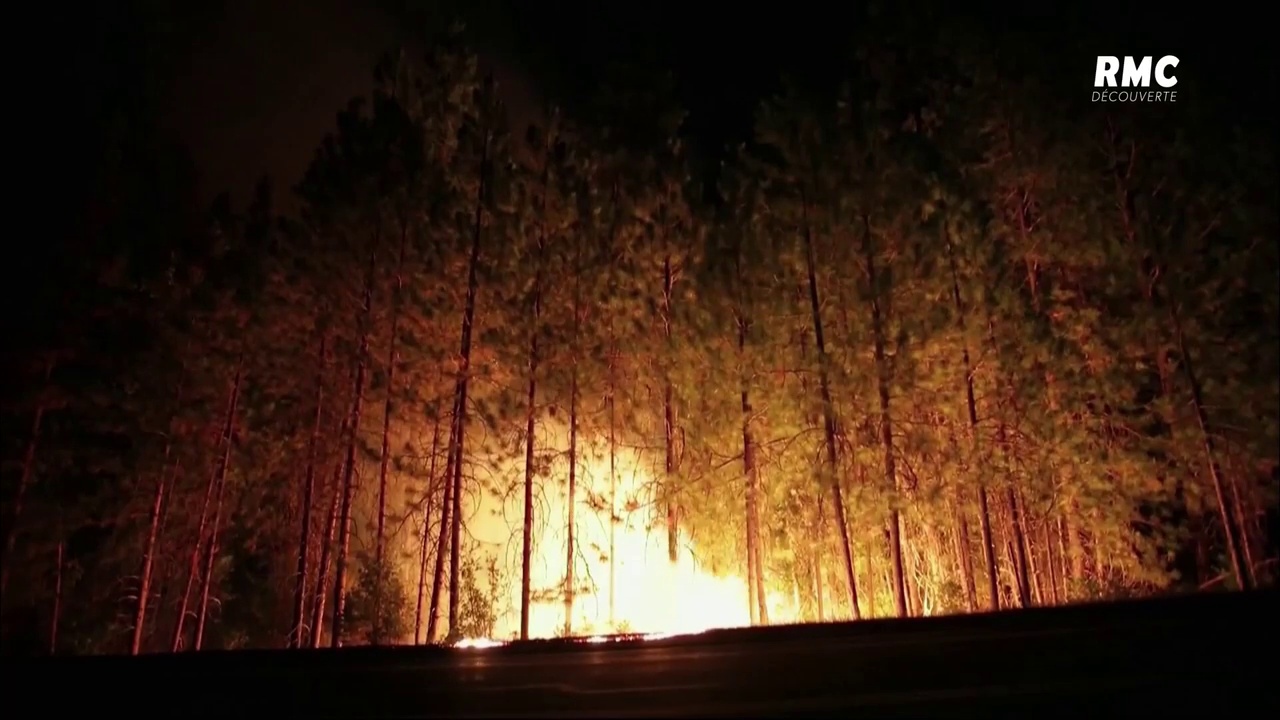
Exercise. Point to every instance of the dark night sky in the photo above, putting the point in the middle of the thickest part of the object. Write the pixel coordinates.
(253, 85)
(264, 81)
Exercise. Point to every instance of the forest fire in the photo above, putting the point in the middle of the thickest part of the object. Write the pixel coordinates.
(625, 584)
(562, 381)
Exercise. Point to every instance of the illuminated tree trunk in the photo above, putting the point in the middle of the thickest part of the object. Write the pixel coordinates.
(613, 474)
(829, 423)
(153, 532)
(380, 538)
(1237, 547)
(526, 547)
(1028, 538)
(442, 535)
(349, 464)
(611, 385)
(572, 495)
(1048, 537)
(886, 422)
(211, 557)
(325, 564)
(426, 529)
(1017, 540)
(24, 482)
(813, 550)
(162, 590)
(193, 569)
(984, 513)
(297, 631)
(56, 613)
(668, 415)
(756, 596)
(326, 556)
(468, 318)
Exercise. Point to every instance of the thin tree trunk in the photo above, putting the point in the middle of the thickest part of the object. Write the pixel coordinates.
(572, 498)
(886, 423)
(1050, 562)
(613, 478)
(380, 541)
(468, 318)
(1016, 540)
(56, 613)
(297, 633)
(211, 558)
(610, 401)
(153, 532)
(446, 523)
(829, 421)
(326, 558)
(24, 481)
(669, 430)
(984, 514)
(193, 570)
(349, 466)
(426, 528)
(757, 598)
(526, 548)
(1028, 537)
(1236, 546)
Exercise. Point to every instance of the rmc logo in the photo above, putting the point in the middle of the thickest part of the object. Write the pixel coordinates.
(1136, 73)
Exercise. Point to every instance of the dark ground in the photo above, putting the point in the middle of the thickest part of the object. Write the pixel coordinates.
(1210, 656)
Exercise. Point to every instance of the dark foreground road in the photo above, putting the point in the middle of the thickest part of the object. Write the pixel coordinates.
(1210, 657)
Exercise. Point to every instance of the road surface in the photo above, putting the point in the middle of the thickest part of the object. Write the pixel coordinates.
(1212, 656)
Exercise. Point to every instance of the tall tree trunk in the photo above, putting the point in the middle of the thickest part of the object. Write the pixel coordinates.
(24, 482)
(526, 546)
(755, 550)
(211, 557)
(1017, 540)
(193, 569)
(426, 528)
(162, 591)
(757, 598)
(829, 420)
(468, 318)
(153, 531)
(668, 416)
(1028, 537)
(1236, 546)
(349, 465)
(613, 476)
(446, 523)
(56, 612)
(813, 552)
(326, 557)
(571, 500)
(1048, 537)
(380, 540)
(611, 387)
(886, 422)
(984, 513)
(297, 632)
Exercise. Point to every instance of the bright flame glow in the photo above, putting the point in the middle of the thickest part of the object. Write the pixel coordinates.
(651, 597)
(477, 644)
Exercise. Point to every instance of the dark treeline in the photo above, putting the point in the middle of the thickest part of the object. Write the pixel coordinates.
(933, 340)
